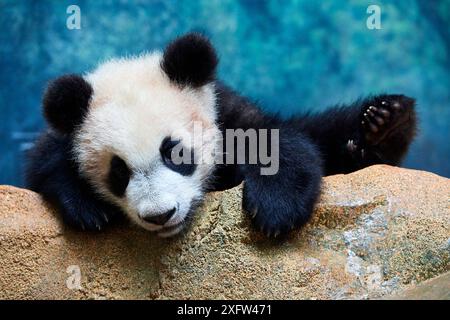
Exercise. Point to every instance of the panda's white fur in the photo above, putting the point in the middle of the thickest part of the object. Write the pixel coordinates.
(133, 108)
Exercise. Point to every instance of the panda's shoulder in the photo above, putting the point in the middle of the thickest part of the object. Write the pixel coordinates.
(51, 143)
(49, 154)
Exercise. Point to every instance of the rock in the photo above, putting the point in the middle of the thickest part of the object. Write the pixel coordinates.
(375, 233)
(437, 288)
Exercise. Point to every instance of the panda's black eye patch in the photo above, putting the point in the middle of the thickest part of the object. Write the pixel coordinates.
(169, 154)
(119, 176)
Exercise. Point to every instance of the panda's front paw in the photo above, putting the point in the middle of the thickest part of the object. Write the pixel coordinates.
(275, 213)
(86, 216)
(384, 115)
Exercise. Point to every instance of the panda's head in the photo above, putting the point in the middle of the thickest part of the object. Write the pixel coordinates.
(126, 117)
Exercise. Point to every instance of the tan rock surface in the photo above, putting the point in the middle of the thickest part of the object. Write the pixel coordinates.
(375, 232)
(437, 288)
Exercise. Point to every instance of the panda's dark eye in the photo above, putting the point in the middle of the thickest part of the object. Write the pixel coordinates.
(119, 176)
(167, 147)
(169, 154)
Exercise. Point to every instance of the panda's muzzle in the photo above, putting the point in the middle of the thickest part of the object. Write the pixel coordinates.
(160, 219)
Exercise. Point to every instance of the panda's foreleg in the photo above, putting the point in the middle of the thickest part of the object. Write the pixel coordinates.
(283, 200)
(51, 172)
(376, 130)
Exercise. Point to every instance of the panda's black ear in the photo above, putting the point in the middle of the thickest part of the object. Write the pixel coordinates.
(190, 60)
(66, 101)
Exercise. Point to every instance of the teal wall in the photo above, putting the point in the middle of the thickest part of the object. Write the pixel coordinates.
(288, 55)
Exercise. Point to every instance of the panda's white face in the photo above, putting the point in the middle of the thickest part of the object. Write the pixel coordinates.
(135, 116)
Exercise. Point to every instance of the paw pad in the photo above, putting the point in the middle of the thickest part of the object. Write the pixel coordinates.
(375, 117)
(383, 114)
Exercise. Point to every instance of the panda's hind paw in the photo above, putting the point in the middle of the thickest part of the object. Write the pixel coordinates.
(382, 115)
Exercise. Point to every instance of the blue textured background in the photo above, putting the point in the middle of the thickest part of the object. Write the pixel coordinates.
(287, 55)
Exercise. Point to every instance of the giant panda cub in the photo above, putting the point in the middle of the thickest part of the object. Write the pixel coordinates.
(112, 134)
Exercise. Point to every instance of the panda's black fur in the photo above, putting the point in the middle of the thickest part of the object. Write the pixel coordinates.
(190, 61)
(342, 139)
(52, 172)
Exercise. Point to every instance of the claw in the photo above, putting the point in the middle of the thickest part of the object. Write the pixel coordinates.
(276, 234)
(362, 153)
(351, 146)
(384, 103)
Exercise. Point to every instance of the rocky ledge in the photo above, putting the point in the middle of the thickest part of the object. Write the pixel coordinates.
(377, 233)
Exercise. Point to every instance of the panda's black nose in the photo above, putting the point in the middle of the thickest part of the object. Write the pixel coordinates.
(160, 219)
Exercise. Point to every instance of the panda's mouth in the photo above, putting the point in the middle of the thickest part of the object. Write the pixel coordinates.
(169, 231)
(164, 231)
(179, 221)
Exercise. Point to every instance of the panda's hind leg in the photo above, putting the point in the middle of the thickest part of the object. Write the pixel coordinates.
(388, 125)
